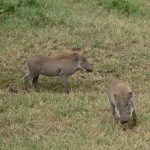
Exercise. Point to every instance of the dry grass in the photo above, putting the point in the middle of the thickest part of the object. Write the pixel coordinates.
(117, 46)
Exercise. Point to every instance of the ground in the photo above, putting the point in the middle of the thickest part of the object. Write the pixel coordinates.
(116, 41)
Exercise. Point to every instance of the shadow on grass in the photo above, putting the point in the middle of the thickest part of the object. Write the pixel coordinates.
(54, 85)
(57, 86)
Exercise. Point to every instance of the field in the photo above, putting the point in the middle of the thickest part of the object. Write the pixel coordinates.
(114, 35)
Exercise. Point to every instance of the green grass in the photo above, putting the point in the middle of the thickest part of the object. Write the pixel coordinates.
(125, 7)
(117, 44)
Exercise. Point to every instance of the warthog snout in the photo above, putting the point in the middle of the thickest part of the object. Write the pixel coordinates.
(123, 121)
(90, 69)
(124, 115)
(84, 64)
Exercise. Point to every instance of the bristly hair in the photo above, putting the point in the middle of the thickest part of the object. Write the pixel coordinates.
(66, 55)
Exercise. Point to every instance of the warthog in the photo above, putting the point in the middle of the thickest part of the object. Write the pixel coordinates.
(121, 101)
(63, 66)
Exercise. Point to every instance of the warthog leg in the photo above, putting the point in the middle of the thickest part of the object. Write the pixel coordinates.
(65, 81)
(26, 80)
(35, 83)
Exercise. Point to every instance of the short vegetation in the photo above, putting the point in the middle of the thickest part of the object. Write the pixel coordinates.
(115, 36)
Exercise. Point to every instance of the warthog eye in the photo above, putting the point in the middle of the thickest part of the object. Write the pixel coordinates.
(83, 59)
(126, 105)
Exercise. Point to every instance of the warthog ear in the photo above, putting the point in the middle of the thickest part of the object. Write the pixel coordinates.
(76, 56)
(130, 94)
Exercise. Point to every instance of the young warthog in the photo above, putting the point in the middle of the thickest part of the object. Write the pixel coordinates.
(62, 66)
(121, 101)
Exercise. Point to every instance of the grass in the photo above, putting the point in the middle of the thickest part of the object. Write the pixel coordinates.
(116, 44)
(125, 7)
